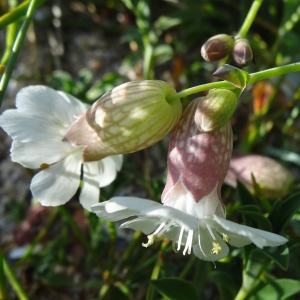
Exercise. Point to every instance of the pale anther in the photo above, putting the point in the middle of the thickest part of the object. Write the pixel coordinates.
(216, 248)
(150, 241)
(225, 237)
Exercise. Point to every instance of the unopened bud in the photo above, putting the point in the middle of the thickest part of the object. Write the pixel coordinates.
(242, 53)
(130, 117)
(215, 110)
(217, 47)
(273, 179)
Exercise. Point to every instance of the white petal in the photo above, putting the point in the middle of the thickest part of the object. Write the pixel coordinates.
(119, 208)
(57, 184)
(132, 206)
(120, 214)
(77, 106)
(259, 237)
(146, 225)
(90, 190)
(24, 128)
(108, 168)
(32, 155)
(40, 101)
(206, 243)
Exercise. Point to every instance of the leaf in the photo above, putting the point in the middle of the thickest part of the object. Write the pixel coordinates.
(175, 289)
(162, 53)
(58, 280)
(234, 75)
(284, 155)
(259, 219)
(277, 290)
(244, 195)
(163, 23)
(280, 255)
(226, 285)
(282, 212)
(256, 264)
(62, 81)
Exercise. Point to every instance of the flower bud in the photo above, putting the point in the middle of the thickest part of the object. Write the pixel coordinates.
(272, 178)
(242, 53)
(217, 47)
(130, 117)
(215, 110)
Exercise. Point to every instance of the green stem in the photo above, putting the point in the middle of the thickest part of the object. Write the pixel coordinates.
(16, 49)
(10, 38)
(128, 252)
(254, 77)
(17, 13)
(80, 236)
(250, 18)
(13, 280)
(38, 238)
(3, 288)
(156, 270)
(148, 59)
(282, 70)
(188, 267)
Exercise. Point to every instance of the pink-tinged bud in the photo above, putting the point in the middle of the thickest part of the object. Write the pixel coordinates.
(217, 47)
(215, 109)
(130, 117)
(198, 161)
(272, 178)
(242, 53)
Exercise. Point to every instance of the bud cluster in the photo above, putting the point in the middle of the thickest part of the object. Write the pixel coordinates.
(223, 46)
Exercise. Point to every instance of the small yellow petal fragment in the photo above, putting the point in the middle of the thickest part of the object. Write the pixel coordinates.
(216, 248)
(225, 238)
(44, 166)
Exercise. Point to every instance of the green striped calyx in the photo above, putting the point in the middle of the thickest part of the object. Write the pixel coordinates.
(130, 117)
(215, 110)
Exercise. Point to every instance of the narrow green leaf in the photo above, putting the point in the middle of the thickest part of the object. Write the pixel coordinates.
(244, 195)
(163, 23)
(233, 75)
(280, 255)
(283, 211)
(175, 289)
(259, 219)
(256, 264)
(277, 290)
(227, 287)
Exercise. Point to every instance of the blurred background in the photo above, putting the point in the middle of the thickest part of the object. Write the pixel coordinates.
(86, 48)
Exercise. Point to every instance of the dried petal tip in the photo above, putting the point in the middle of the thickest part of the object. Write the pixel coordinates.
(242, 53)
(215, 110)
(217, 47)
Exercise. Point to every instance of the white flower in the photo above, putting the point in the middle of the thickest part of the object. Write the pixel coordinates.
(207, 236)
(38, 126)
(192, 214)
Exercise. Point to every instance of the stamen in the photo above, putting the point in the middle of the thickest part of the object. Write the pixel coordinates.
(210, 232)
(216, 248)
(159, 228)
(150, 241)
(174, 246)
(180, 238)
(199, 239)
(189, 241)
(225, 237)
(156, 235)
